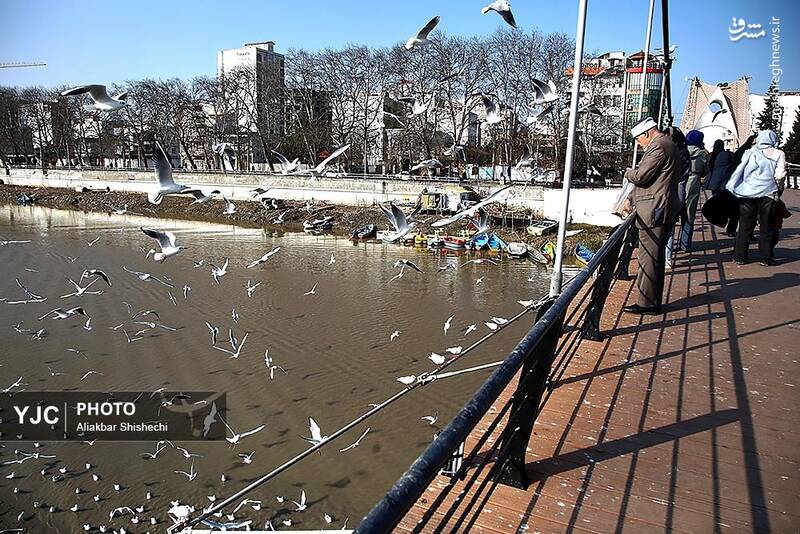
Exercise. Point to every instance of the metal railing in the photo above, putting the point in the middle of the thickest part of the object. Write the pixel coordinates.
(542, 355)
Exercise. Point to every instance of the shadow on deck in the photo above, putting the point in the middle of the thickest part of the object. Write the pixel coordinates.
(679, 422)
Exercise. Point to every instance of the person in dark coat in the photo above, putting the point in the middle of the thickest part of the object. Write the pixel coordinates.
(719, 168)
(698, 170)
(655, 199)
(684, 160)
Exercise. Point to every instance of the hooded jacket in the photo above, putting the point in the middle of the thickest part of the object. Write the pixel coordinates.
(762, 169)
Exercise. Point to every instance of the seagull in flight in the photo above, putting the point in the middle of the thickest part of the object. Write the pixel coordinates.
(502, 8)
(200, 196)
(407, 263)
(472, 210)
(263, 258)
(95, 272)
(147, 277)
(235, 345)
(234, 439)
(214, 332)
(99, 94)
(166, 241)
(394, 335)
(492, 112)
(418, 105)
(218, 272)
(316, 433)
(421, 38)
(357, 442)
(60, 313)
(288, 166)
(397, 218)
(80, 291)
(250, 288)
(93, 241)
(191, 475)
(230, 207)
(312, 291)
(317, 171)
(90, 372)
(271, 366)
(302, 504)
(447, 324)
(165, 184)
(431, 419)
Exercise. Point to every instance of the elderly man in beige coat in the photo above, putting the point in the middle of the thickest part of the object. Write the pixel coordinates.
(655, 199)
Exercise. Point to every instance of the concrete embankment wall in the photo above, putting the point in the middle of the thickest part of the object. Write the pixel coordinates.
(590, 206)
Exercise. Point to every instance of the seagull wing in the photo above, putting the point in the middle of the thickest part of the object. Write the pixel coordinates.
(413, 266)
(163, 168)
(399, 217)
(165, 239)
(335, 154)
(428, 28)
(390, 215)
(313, 427)
(249, 432)
(281, 158)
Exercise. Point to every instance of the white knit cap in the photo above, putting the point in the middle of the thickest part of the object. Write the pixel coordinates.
(645, 125)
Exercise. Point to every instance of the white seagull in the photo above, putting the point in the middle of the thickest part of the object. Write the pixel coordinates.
(357, 442)
(447, 324)
(503, 8)
(80, 291)
(234, 439)
(147, 277)
(316, 433)
(166, 241)
(165, 184)
(398, 220)
(263, 258)
(230, 207)
(472, 210)
(422, 36)
(288, 166)
(218, 272)
(317, 171)
(102, 100)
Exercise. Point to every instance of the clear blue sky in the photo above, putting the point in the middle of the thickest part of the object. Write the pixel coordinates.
(88, 41)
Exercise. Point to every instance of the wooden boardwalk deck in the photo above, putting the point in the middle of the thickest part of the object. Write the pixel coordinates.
(684, 422)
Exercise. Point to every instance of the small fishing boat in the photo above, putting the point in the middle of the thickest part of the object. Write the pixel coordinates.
(517, 250)
(365, 232)
(434, 240)
(24, 199)
(454, 243)
(537, 257)
(542, 227)
(549, 251)
(487, 241)
(583, 255)
(326, 223)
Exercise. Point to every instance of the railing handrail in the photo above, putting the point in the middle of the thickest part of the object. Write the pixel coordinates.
(388, 512)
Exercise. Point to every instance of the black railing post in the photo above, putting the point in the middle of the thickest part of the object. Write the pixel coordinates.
(525, 405)
(630, 241)
(605, 274)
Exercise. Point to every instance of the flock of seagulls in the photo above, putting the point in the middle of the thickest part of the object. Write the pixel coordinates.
(139, 323)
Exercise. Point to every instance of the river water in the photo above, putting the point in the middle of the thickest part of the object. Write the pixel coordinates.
(334, 344)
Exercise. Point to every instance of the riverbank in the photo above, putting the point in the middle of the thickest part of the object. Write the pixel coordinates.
(252, 214)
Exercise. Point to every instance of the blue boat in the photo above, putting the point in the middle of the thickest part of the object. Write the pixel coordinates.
(583, 254)
(487, 241)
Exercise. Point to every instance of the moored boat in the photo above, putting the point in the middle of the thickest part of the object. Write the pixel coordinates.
(365, 232)
(454, 243)
(517, 250)
(583, 255)
(549, 251)
(542, 227)
(537, 256)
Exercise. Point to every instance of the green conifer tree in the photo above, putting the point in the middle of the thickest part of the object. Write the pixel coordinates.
(768, 118)
(792, 146)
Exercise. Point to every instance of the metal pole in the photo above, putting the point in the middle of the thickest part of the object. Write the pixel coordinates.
(661, 99)
(555, 282)
(667, 93)
(646, 60)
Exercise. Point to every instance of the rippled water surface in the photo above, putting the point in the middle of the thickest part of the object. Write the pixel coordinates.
(334, 344)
